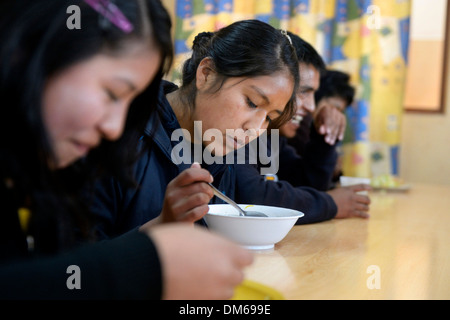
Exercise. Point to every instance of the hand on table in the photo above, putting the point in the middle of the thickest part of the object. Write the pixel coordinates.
(349, 202)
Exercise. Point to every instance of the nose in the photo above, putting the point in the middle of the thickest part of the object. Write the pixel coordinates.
(305, 103)
(310, 106)
(257, 120)
(113, 123)
(298, 103)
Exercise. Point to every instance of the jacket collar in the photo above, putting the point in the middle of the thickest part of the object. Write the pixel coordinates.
(163, 122)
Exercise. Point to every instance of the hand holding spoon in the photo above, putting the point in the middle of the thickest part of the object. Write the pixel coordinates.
(242, 212)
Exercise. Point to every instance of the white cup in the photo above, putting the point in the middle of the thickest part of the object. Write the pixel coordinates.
(350, 181)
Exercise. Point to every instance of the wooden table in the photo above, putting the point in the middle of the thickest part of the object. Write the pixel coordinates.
(401, 252)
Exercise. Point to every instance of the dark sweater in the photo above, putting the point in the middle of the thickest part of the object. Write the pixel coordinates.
(120, 208)
(126, 267)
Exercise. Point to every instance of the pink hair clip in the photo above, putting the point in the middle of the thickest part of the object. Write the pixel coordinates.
(111, 12)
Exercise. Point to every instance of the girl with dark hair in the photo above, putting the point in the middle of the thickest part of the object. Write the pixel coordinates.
(303, 180)
(241, 78)
(66, 92)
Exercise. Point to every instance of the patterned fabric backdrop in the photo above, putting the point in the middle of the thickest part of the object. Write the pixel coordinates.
(366, 38)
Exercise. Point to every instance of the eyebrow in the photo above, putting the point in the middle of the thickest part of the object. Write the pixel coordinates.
(261, 93)
(130, 84)
(279, 112)
(265, 98)
(303, 88)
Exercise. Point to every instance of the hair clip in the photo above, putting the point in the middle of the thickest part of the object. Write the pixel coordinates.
(284, 33)
(111, 12)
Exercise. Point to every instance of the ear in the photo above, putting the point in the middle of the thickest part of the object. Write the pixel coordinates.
(205, 73)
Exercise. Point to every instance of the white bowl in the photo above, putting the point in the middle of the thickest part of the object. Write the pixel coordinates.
(257, 233)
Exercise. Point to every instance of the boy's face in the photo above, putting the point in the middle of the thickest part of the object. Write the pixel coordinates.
(305, 103)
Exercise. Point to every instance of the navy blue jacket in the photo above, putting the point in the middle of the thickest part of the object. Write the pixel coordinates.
(120, 208)
(301, 181)
(314, 168)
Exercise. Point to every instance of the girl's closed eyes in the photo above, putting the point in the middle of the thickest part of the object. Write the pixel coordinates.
(111, 96)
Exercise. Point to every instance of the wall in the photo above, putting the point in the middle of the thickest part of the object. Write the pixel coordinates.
(426, 39)
(425, 146)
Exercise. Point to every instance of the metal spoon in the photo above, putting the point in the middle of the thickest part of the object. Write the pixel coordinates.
(242, 212)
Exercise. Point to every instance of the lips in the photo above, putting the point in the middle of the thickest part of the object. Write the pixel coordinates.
(84, 147)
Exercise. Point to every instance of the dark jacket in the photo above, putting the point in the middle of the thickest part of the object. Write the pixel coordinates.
(127, 267)
(314, 168)
(300, 183)
(120, 208)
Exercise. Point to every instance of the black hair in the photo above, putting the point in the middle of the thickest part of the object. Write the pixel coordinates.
(246, 48)
(36, 43)
(306, 53)
(334, 83)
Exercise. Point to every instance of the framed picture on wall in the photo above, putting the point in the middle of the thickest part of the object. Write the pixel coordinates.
(427, 56)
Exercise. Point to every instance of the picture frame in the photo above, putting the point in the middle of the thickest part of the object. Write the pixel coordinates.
(425, 86)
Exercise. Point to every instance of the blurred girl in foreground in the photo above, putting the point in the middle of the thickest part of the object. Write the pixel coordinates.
(74, 103)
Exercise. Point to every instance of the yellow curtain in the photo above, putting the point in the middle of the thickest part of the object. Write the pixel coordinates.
(366, 38)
